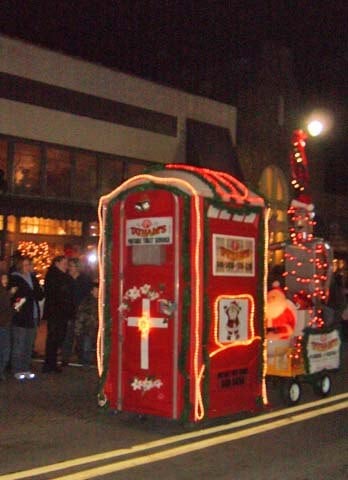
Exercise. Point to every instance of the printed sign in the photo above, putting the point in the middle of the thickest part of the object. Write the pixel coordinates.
(233, 320)
(323, 351)
(149, 231)
(233, 256)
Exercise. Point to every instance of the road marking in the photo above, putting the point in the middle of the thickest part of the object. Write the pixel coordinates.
(291, 416)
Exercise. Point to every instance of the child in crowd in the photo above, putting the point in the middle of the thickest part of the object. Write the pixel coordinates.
(6, 315)
(86, 325)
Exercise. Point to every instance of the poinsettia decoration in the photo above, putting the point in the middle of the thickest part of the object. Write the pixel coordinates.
(145, 291)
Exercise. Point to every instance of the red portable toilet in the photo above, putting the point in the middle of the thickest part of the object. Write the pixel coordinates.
(182, 290)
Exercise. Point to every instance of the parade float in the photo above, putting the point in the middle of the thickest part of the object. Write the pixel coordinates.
(303, 342)
(183, 266)
(187, 329)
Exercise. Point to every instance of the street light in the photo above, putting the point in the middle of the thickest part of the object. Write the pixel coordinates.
(315, 128)
(319, 122)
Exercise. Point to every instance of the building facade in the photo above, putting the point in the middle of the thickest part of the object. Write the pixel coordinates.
(71, 131)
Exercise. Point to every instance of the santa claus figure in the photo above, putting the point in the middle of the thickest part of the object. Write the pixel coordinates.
(232, 313)
(280, 314)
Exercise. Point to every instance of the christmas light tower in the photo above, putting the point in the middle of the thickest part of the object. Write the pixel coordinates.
(308, 259)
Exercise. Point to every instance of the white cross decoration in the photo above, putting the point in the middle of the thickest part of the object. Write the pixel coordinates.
(144, 324)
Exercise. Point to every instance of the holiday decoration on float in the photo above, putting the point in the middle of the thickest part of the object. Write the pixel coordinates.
(297, 339)
(183, 283)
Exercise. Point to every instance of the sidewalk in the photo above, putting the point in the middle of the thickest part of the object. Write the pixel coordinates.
(40, 343)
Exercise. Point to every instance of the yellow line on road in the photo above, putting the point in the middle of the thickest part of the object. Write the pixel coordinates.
(201, 444)
(210, 442)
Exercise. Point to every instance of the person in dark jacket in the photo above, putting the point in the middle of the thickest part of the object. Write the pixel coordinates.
(81, 285)
(27, 316)
(58, 310)
(6, 313)
(86, 325)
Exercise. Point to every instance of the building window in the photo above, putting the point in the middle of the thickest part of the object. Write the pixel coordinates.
(11, 223)
(111, 174)
(49, 226)
(26, 168)
(135, 169)
(274, 187)
(58, 173)
(85, 187)
(3, 157)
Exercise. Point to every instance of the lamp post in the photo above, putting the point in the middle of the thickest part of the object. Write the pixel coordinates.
(315, 128)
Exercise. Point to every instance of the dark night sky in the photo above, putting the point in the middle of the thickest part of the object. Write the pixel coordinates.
(189, 43)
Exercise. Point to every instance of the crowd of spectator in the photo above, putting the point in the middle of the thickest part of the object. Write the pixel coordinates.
(66, 303)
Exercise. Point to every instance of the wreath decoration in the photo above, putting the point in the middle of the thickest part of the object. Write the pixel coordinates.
(146, 291)
(133, 293)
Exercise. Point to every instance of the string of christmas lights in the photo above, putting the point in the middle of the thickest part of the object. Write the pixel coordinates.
(40, 255)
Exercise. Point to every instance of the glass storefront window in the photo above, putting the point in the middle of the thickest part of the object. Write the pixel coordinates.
(49, 226)
(111, 174)
(26, 168)
(11, 223)
(58, 173)
(85, 186)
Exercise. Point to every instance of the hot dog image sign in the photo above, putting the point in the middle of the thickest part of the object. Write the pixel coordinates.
(149, 231)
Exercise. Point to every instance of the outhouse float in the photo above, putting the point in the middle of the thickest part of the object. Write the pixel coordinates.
(182, 274)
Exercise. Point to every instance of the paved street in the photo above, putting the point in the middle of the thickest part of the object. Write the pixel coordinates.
(55, 417)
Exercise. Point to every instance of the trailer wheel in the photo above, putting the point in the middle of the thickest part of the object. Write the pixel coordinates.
(291, 392)
(322, 386)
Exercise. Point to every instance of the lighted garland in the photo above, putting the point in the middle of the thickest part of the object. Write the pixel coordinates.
(40, 255)
(219, 183)
(186, 330)
(299, 166)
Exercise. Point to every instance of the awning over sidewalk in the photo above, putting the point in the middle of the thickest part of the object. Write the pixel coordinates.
(46, 208)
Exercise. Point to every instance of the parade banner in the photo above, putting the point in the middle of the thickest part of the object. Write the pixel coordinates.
(149, 231)
(323, 351)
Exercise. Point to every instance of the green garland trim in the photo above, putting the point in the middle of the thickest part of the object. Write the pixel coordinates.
(186, 304)
(260, 300)
(206, 313)
(107, 311)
